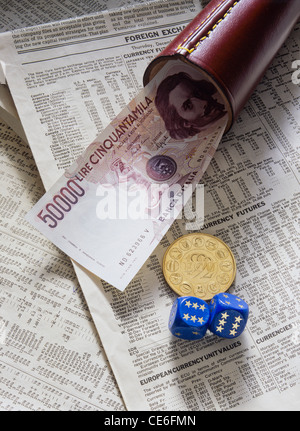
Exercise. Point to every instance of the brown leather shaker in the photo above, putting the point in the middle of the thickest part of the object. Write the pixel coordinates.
(232, 42)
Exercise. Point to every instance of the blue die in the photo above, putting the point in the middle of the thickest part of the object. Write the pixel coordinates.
(189, 318)
(228, 315)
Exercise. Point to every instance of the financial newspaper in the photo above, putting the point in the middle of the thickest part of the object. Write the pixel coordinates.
(68, 84)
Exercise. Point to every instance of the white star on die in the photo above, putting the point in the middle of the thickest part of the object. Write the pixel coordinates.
(195, 305)
(225, 315)
(194, 318)
(219, 328)
(188, 303)
(238, 319)
(200, 320)
(186, 316)
(233, 332)
(202, 307)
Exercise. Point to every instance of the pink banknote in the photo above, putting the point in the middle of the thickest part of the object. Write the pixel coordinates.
(114, 204)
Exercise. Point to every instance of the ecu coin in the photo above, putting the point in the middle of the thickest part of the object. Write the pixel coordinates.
(199, 264)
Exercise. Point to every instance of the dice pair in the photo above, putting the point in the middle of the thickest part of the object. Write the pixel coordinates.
(225, 316)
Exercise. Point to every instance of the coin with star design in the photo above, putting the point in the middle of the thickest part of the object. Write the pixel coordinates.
(199, 264)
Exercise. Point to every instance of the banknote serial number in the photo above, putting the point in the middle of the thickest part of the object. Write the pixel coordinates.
(133, 248)
(61, 204)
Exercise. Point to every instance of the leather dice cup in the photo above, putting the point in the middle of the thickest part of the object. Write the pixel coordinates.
(232, 42)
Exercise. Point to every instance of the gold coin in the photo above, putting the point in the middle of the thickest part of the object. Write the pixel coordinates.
(199, 264)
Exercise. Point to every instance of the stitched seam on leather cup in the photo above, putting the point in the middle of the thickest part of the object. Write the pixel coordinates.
(180, 47)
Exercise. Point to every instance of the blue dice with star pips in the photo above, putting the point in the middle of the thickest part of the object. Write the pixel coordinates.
(228, 315)
(189, 318)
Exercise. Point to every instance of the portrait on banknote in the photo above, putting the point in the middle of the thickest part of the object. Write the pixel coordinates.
(187, 105)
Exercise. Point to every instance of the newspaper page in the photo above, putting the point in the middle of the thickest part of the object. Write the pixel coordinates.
(50, 355)
(27, 13)
(8, 112)
(33, 12)
(251, 203)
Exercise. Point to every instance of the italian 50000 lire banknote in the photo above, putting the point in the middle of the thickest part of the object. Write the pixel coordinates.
(113, 205)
